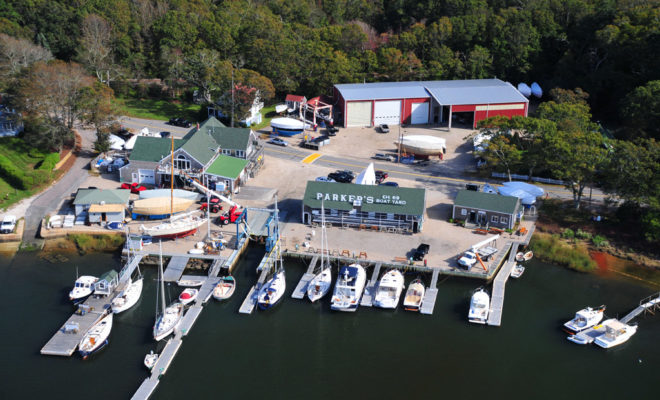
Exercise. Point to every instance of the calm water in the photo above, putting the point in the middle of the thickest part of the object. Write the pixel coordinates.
(300, 350)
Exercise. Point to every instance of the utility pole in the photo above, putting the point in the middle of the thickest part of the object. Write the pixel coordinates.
(232, 96)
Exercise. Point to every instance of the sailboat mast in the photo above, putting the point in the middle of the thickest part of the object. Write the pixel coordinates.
(172, 177)
(324, 245)
(160, 272)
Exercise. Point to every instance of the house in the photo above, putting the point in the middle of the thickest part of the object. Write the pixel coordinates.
(294, 102)
(10, 124)
(252, 117)
(379, 207)
(227, 170)
(102, 205)
(427, 102)
(150, 162)
(106, 283)
(487, 209)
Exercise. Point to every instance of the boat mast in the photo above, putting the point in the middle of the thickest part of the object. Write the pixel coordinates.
(325, 261)
(160, 272)
(172, 177)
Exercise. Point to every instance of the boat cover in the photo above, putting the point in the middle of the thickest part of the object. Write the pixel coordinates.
(527, 187)
(367, 177)
(525, 197)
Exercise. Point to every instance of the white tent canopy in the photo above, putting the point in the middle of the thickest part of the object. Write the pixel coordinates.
(367, 177)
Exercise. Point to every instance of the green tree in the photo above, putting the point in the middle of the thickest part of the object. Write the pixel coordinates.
(641, 111)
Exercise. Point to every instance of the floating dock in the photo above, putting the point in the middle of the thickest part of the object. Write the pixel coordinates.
(648, 304)
(370, 288)
(499, 285)
(175, 268)
(430, 294)
(251, 299)
(299, 291)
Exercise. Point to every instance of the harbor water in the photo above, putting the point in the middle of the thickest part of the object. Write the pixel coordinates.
(299, 350)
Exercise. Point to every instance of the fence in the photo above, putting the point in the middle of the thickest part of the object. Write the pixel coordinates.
(526, 178)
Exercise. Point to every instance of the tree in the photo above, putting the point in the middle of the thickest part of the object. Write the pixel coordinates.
(208, 72)
(640, 109)
(577, 95)
(17, 54)
(530, 136)
(501, 152)
(96, 48)
(98, 109)
(44, 134)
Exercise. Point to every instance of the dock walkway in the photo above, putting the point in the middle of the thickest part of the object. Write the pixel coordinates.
(430, 295)
(175, 268)
(299, 291)
(370, 289)
(648, 303)
(499, 286)
(251, 299)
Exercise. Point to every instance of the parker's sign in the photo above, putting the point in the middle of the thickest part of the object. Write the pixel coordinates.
(351, 198)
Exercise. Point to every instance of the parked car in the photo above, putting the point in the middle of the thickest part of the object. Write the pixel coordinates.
(393, 184)
(421, 251)
(182, 122)
(332, 130)
(384, 128)
(468, 260)
(347, 172)
(8, 224)
(341, 176)
(324, 179)
(380, 176)
(472, 186)
(133, 187)
(383, 156)
(278, 142)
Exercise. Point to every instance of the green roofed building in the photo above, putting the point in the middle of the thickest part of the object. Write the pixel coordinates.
(385, 208)
(227, 170)
(487, 209)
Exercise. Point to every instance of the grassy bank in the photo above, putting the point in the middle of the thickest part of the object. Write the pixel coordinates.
(87, 243)
(157, 109)
(553, 249)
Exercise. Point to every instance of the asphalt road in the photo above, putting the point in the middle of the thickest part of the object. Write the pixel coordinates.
(137, 124)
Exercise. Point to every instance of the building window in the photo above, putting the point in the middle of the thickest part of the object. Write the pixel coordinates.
(181, 163)
(494, 219)
(463, 211)
(226, 152)
(240, 153)
(504, 220)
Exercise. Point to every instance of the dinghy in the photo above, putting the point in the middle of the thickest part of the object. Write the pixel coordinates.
(225, 288)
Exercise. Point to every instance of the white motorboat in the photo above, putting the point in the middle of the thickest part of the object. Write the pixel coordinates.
(584, 319)
(128, 297)
(389, 289)
(423, 145)
(190, 282)
(520, 256)
(171, 315)
(479, 307)
(271, 292)
(616, 333)
(188, 296)
(348, 288)
(321, 283)
(414, 295)
(174, 228)
(225, 288)
(96, 338)
(517, 271)
(150, 360)
(83, 287)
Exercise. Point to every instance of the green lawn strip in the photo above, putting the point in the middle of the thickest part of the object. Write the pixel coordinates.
(268, 113)
(157, 109)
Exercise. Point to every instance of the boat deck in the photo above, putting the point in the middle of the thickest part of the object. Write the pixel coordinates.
(370, 288)
(65, 342)
(299, 291)
(499, 286)
(175, 268)
(430, 295)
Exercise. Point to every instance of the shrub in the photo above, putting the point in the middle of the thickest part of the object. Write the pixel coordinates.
(550, 248)
(13, 175)
(599, 241)
(568, 234)
(580, 234)
(49, 162)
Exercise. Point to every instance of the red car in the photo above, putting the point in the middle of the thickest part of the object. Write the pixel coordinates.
(133, 187)
(380, 176)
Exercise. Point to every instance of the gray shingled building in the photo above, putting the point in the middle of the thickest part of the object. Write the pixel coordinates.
(487, 209)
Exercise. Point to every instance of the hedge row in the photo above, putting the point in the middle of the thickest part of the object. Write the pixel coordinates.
(13, 175)
(50, 161)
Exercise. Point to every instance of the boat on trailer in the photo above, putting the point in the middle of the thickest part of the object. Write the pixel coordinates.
(287, 126)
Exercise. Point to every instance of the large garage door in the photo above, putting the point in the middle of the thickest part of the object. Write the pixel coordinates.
(147, 176)
(387, 112)
(359, 113)
(419, 113)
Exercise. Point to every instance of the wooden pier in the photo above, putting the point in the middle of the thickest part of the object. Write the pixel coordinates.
(430, 294)
(175, 268)
(370, 288)
(499, 285)
(299, 291)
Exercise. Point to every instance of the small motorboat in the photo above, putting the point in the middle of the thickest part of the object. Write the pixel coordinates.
(115, 225)
(616, 333)
(96, 338)
(517, 271)
(272, 291)
(520, 256)
(83, 287)
(150, 360)
(389, 289)
(128, 297)
(479, 307)
(188, 296)
(584, 319)
(414, 295)
(225, 288)
(190, 282)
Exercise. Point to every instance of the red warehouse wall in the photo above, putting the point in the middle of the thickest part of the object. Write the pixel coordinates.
(407, 108)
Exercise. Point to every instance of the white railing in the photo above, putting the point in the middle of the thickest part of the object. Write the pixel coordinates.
(550, 181)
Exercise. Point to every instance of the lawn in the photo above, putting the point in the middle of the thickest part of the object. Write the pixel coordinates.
(268, 114)
(25, 158)
(157, 109)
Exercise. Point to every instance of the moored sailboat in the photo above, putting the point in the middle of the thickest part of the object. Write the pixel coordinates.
(320, 284)
(171, 315)
(128, 297)
(96, 338)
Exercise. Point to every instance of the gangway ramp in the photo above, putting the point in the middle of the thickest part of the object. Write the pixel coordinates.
(370, 289)
(175, 268)
(430, 295)
(300, 290)
(499, 286)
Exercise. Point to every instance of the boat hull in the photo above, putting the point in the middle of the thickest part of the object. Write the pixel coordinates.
(96, 338)
(86, 354)
(161, 205)
(423, 145)
(224, 290)
(176, 229)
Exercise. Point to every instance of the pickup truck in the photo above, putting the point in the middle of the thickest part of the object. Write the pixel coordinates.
(8, 224)
(468, 260)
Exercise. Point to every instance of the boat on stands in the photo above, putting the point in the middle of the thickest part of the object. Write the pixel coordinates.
(479, 307)
(177, 193)
(585, 319)
(389, 289)
(150, 360)
(171, 315)
(161, 205)
(536, 90)
(82, 288)
(128, 297)
(616, 333)
(520, 256)
(272, 291)
(320, 285)
(517, 271)
(96, 338)
(422, 145)
(348, 288)
(225, 288)
(524, 89)
(175, 228)
(414, 295)
(188, 296)
(287, 126)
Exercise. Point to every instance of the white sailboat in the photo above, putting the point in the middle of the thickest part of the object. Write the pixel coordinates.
(414, 295)
(320, 284)
(389, 289)
(96, 338)
(479, 307)
(171, 315)
(128, 297)
(273, 290)
(348, 288)
(585, 319)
